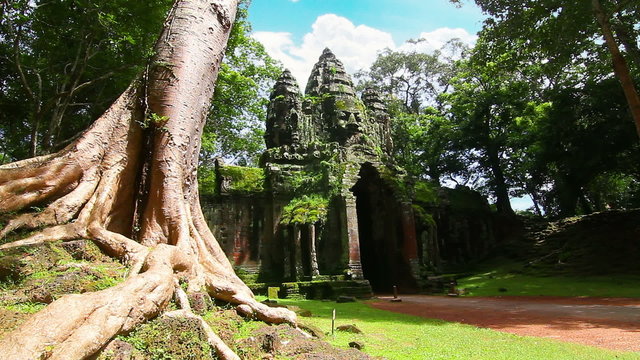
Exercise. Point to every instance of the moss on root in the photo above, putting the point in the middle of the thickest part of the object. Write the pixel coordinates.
(165, 338)
(31, 277)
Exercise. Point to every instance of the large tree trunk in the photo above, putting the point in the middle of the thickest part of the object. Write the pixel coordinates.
(501, 190)
(620, 67)
(150, 137)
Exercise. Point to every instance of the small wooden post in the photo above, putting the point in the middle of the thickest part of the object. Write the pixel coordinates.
(333, 323)
(395, 295)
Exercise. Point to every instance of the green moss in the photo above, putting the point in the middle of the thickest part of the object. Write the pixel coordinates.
(25, 307)
(245, 276)
(104, 283)
(244, 180)
(170, 338)
(307, 209)
(422, 215)
(207, 180)
(427, 193)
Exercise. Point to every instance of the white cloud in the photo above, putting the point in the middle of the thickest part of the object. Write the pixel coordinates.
(435, 40)
(356, 46)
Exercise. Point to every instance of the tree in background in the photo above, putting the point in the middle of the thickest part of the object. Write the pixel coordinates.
(484, 106)
(235, 126)
(412, 83)
(563, 32)
(68, 60)
(129, 183)
(531, 110)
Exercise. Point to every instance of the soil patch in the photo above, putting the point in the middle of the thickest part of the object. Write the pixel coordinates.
(603, 322)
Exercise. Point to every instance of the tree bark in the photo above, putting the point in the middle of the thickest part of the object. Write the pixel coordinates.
(501, 190)
(150, 136)
(620, 67)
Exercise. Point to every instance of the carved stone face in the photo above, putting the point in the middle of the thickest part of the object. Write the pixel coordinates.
(350, 120)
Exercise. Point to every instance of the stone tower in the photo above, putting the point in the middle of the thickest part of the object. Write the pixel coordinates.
(329, 149)
(328, 204)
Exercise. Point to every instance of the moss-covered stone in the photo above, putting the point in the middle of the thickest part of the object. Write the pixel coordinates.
(308, 209)
(240, 179)
(167, 338)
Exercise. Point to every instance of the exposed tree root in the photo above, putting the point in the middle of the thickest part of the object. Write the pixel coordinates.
(76, 326)
(89, 190)
(59, 212)
(222, 349)
(55, 233)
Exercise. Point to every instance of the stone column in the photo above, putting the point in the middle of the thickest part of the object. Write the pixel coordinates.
(312, 251)
(287, 259)
(410, 241)
(296, 258)
(355, 266)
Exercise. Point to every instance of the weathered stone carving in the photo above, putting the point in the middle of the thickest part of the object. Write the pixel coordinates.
(337, 134)
(333, 206)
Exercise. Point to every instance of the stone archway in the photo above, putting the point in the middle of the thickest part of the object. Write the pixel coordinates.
(381, 233)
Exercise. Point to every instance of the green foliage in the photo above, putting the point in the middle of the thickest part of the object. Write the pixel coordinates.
(414, 79)
(423, 145)
(235, 125)
(207, 180)
(305, 181)
(307, 209)
(423, 215)
(244, 180)
(63, 62)
(170, 338)
(426, 193)
(397, 181)
(567, 123)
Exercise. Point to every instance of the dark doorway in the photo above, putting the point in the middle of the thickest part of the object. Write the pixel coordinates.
(380, 233)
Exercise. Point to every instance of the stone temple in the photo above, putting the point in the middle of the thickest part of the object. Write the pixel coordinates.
(328, 213)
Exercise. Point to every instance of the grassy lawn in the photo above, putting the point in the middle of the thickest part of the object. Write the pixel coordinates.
(492, 277)
(398, 336)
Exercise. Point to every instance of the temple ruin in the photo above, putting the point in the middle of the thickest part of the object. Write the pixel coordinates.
(328, 209)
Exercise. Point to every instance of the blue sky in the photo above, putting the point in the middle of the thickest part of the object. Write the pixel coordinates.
(404, 19)
(296, 31)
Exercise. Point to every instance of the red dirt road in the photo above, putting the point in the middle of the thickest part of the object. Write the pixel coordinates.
(607, 323)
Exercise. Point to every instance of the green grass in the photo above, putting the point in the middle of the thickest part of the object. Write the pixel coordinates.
(496, 275)
(398, 336)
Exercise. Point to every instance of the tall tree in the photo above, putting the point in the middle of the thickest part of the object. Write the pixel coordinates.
(150, 137)
(487, 99)
(413, 82)
(563, 32)
(68, 60)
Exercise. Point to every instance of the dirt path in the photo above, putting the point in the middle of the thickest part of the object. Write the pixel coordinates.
(607, 323)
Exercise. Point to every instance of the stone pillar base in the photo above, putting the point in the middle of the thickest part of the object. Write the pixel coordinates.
(355, 268)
